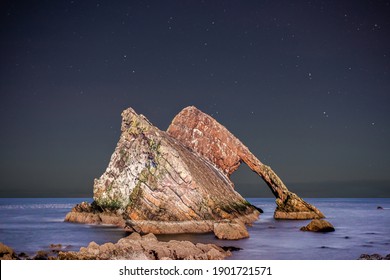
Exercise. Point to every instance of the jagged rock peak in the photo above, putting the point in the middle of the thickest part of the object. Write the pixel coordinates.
(158, 185)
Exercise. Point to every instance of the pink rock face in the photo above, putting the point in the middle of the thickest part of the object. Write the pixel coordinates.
(211, 140)
(208, 138)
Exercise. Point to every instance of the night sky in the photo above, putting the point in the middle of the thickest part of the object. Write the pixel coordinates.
(304, 84)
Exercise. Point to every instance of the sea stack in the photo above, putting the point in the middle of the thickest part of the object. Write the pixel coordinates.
(178, 181)
(155, 184)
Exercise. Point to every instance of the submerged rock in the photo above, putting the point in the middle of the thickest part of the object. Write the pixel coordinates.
(137, 247)
(211, 140)
(318, 226)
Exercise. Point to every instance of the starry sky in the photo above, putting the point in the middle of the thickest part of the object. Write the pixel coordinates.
(304, 84)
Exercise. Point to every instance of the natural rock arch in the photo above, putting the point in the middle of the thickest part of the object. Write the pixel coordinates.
(177, 181)
(204, 135)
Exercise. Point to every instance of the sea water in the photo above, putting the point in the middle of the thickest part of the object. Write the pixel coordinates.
(29, 225)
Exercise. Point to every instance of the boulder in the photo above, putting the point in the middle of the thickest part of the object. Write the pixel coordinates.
(230, 230)
(317, 225)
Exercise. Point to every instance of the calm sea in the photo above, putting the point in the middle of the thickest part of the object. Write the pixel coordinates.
(29, 225)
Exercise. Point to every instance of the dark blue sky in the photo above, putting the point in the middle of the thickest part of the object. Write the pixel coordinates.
(304, 84)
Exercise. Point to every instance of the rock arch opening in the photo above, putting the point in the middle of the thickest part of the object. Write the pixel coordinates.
(248, 183)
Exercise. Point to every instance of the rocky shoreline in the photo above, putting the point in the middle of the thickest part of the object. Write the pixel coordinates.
(132, 247)
(137, 247)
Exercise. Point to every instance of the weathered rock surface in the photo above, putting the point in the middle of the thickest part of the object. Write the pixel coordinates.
(317, 225)
(204, 135)
(156, 184)
(136, 247)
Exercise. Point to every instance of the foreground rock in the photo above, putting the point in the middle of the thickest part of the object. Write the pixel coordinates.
(135, 247)
(318, 226)
(211, 140)
(374, 257)
(155, 184)
(7, 253)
